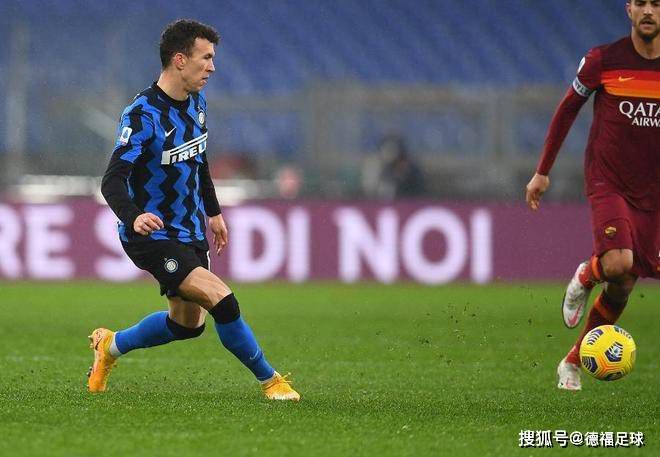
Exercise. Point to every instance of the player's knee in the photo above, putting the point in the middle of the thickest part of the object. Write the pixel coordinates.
(226, 310)
(618, 268)
(211, 297)
(184, 333)
(212, 292)
(617, 265)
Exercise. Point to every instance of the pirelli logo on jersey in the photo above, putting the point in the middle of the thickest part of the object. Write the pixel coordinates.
(185, 151)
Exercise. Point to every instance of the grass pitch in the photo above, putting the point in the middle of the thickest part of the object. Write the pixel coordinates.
(383, 370)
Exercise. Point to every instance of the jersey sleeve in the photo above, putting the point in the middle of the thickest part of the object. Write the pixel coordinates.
(588, 77)
(209, 196)
(587, 80)
(561, 123)
(135, 131)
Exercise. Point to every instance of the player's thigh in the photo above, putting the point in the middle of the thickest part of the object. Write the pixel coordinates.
(611, 222)
(168, 261)
(617, 263)
(186, 313)
(646, 233)
(203, 287)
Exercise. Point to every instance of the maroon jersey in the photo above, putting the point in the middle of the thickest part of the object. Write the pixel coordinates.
(623, 152)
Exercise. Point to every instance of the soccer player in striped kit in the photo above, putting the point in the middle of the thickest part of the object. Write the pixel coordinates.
(622, 173)
(158, 184)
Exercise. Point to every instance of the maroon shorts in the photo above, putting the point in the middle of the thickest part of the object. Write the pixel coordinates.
(618, 225)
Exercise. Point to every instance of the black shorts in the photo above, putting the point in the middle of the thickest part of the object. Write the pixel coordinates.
(168, 261)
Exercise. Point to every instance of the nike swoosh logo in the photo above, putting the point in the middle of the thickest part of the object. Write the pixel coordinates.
(170, 132)
(623, 80)
(254, 356)
(572, 322)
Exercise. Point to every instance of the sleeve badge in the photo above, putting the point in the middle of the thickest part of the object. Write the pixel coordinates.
(125, 135)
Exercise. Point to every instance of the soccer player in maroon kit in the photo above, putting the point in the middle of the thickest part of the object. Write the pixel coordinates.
(622, 173)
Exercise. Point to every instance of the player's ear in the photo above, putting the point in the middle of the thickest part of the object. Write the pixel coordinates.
(628, 12)
(179, 60)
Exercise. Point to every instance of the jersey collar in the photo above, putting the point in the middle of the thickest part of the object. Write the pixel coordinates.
(180, 104)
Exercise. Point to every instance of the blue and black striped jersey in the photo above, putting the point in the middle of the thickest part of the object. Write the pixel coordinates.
(159, 166)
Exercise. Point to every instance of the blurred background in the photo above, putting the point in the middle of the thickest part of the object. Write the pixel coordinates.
(314, 105)
(375, 98)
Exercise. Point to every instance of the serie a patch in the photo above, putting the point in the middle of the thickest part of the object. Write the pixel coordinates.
(125, 135)
(615, 352)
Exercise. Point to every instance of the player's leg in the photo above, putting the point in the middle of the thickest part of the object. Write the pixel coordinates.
(186, 313)
(203, 287)
(587, 275)
(180, 323)
(183, 321)
(606, 310)
(159, 328)
(617, 265)
(169, 263)
(612, 222)
(612, 266)
(574, 302)
(619, 282)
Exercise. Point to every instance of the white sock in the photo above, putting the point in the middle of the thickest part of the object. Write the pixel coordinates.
(114, 352)
(266, 381)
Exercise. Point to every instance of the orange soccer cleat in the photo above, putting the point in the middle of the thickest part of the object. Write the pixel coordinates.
(99, 372)
(279, 388)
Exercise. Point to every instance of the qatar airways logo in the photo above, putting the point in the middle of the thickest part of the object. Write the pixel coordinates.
(643, 114)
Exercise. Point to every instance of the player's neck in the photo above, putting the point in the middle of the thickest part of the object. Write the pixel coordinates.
(646, 49)
(172, 86)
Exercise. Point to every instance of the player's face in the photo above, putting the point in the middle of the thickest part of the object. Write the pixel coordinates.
(645, 18)
(198, 65)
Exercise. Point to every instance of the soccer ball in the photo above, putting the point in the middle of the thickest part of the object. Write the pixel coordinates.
(608, 352)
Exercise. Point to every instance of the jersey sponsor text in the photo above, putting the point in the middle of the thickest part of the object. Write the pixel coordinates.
(643, 114)
(185, 151)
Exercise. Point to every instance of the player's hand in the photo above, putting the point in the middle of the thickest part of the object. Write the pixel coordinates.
(146, 223)
(535, 190)
(220, 235)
